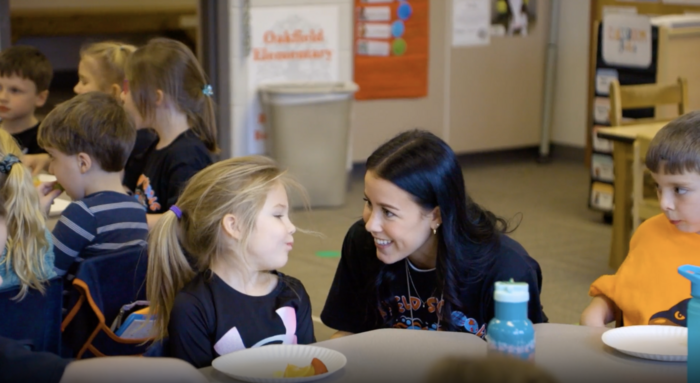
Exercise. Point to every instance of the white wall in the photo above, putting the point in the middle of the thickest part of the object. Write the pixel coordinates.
(570, 96)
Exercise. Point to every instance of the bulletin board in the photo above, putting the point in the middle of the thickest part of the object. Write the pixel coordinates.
(391, 41)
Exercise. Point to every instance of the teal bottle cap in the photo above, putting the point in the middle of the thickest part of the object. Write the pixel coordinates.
(693, 274)
(511, 292)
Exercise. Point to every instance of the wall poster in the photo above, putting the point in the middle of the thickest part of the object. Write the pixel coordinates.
(391, 48)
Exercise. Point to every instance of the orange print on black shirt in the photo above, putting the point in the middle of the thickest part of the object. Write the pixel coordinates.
(145, 194)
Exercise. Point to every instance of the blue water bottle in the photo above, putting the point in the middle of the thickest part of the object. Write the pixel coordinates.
(510, 332)
(693, 321)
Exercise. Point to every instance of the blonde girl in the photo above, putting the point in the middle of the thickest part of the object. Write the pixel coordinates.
(101, 67)
(27, 260)
(232, 221)
(166, 89)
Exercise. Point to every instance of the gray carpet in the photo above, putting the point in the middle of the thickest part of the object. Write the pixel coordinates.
(549, 200)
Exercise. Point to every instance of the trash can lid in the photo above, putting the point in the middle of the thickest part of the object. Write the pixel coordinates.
(309, 87)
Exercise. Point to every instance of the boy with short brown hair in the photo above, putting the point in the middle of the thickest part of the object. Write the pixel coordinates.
(89, 139)
(25, 76)
(647, 288)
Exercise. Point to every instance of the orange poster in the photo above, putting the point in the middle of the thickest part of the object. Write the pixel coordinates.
(391, 48)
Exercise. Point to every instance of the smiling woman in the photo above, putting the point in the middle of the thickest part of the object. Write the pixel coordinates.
(424, 255)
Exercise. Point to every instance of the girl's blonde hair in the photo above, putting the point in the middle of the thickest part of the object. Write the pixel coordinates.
(171, 67)
(111, 57)
(26, 225)
(237, 186)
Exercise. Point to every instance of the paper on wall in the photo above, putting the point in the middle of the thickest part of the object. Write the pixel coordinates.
(471, 22)
(627, 40)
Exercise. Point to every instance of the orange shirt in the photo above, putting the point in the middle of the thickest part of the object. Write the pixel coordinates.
(647, 284)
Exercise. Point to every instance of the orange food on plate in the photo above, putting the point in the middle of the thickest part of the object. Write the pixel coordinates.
(319, 367)
(315, 368)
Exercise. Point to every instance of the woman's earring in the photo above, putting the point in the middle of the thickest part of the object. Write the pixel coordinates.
(435, 229)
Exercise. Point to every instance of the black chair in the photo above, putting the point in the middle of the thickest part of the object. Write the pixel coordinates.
(102, 285)
(35, 320)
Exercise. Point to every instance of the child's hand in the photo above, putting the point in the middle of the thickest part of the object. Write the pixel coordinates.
(36, 162)
(599, 312)
(47, 194)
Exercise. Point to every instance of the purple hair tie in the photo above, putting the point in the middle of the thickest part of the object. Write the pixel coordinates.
(177, 211)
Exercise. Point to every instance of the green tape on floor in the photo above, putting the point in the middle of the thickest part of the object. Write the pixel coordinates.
(328, 254)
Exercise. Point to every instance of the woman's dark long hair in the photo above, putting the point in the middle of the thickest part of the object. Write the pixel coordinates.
(423, 165)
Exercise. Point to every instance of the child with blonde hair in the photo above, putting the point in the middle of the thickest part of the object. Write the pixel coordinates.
(167, 89)
(28, 258)
(101, 69)
(232, 221)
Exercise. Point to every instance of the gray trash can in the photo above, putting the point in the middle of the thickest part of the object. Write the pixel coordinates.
(308, 126)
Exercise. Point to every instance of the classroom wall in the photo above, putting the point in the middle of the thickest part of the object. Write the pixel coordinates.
(479, 98)
(376, 121)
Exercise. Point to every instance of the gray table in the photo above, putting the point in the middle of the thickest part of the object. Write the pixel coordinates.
(570, 353)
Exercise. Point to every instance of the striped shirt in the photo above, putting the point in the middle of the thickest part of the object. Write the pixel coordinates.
(99, 224)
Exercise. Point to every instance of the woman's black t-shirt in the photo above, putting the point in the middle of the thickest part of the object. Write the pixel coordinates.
(352, 304)
(210, 318)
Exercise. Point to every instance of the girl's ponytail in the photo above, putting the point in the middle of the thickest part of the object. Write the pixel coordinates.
(168, 271)
(205, 126)
(26, 226)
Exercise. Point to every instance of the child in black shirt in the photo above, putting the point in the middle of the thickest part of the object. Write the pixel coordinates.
(232, 222)
(25, 76)
(166, 89)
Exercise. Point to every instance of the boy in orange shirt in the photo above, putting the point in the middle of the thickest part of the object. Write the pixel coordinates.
(647, 288)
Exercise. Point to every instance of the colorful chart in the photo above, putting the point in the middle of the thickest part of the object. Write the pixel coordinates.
(391, 48)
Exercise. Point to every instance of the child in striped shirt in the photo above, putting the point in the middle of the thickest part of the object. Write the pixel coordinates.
(89, 139)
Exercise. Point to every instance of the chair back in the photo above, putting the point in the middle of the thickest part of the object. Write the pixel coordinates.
(102, 285)
(646, 96)
(642, 207)
(36, 319)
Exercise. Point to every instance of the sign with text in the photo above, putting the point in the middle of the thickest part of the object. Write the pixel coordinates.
(291, 43)
(627, 40)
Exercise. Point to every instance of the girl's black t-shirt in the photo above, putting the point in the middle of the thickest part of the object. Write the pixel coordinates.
(167, 170)
(210, 318)
(134, 164)
(352, 304)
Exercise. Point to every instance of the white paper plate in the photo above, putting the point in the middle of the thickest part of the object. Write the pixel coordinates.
(58, 206)
(260, 364)
(665, 343)
(46, 177)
